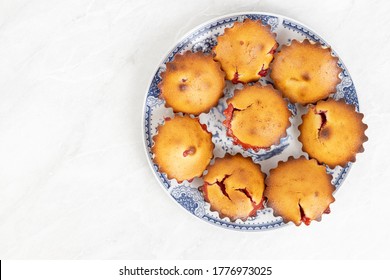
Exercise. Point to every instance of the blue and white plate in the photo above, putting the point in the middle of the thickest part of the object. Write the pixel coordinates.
(203, 38)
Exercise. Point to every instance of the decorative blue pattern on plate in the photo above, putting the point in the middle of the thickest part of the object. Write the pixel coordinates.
(204, 38)
(190, 199)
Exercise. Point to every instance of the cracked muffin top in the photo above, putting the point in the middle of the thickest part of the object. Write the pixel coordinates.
(257, 117)
(182, 148)
(234, 187)
(192, 83)
(299, 190)
(245, 51)
(305, 72)
(332, 132)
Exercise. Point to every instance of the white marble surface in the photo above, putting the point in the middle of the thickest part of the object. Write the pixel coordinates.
(74, 180)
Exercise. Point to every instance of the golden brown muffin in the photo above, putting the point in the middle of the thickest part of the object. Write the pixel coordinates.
(245, 51)
(305, 72)
(299, 190)
(234, 187)
(257, 117)
(332, 132)
(182, 148)
(192, 83)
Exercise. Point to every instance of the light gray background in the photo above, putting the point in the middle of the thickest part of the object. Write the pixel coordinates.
(74, 180)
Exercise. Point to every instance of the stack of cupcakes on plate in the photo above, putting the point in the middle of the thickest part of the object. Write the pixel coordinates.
(257, 117)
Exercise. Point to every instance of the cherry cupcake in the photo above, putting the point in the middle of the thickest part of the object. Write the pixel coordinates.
(246, 50)
(299, 190)
(305, 72)
(333, 132)
(234, 187)
(182, 148)
(192, 83)
(257, 117)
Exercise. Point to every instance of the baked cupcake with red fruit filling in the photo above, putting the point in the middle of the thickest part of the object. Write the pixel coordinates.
(305, 72)
(192, 83)
(333, 132)
(234, 187)
(245, 51)
(182, 148)
(299, 190)
(257, 117)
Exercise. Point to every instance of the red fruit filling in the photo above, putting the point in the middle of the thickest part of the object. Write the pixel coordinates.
(273, 50)
(327, 210)
(190, 151)
(221, 185)
(235, 78)
(304, 219)
(323, 119)
(263, 72)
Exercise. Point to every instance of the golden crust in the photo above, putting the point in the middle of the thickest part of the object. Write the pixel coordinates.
(234, 187)
(182, 148)
(299, 190)
(192, 83)
(245, 50)
(333, 132)
(257, 117)
(305, 72)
